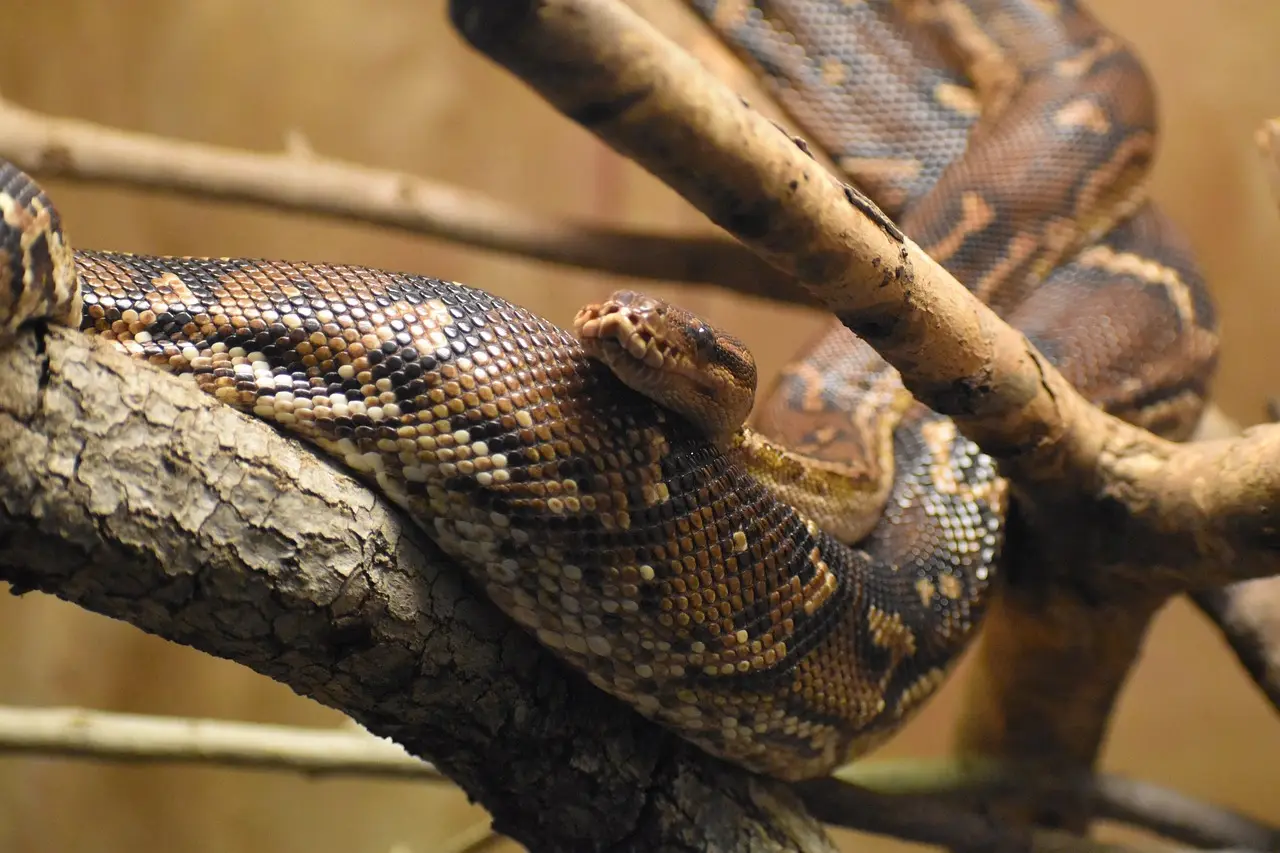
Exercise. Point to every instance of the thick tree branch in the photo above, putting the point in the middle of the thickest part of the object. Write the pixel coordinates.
(609, 70)
(1110, 521)
(132, 494)
(299, 180)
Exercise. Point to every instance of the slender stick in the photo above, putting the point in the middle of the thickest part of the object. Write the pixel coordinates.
(299, 180)
(1129, 801)
(80, 733)
(1248, 614)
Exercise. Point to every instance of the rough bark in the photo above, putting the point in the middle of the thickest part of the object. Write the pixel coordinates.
(130, 493)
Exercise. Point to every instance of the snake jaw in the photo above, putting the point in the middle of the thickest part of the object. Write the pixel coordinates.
(616, 329)
(672, 357)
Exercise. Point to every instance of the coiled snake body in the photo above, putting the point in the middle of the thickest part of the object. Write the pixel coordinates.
(783, 595)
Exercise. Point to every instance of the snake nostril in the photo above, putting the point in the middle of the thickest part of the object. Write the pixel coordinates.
(625, 297)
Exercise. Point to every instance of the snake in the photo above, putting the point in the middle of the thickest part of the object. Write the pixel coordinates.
(783, 578)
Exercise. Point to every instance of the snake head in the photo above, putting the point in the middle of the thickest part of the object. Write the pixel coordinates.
(673, 357)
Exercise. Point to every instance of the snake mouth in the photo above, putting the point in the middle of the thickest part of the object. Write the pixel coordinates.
(615, 329)
(632, 335)
(670, 356)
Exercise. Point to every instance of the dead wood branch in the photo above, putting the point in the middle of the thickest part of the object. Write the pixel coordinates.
(609, 70)
(474, 839)
(973, 783)
(1111, 520)
(133, 738)
(1248, 614)
(1268, 141)
(924, 801)
(301, 181)
(132, 494)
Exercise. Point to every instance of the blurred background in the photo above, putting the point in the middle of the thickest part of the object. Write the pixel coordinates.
(391, 85)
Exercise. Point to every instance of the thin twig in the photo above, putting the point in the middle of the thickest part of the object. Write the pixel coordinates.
(474, 839)
(1267, 139)
(101, 735)
(908, 799)
(935, 820)
(300, 180)
(1248, 614)
(1128, 801)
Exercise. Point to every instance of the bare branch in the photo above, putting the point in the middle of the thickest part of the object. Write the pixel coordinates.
(1128, 801)
(299, 180)
(609, 70)
(131, 493)
(923, 801)
(1112, 520)
(1268, 142)
(101, 735)
(474, 839)
(1248, 614)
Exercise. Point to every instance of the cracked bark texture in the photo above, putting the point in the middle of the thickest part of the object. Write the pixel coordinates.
(129, 493)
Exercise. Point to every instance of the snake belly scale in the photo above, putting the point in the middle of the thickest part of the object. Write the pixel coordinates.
(709, 580)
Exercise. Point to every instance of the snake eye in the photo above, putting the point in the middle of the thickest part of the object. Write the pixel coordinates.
(704, 340)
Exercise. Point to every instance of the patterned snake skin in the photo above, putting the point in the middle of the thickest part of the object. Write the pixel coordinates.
(784, 594)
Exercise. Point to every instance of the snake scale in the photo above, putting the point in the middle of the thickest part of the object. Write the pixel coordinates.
(783, 594)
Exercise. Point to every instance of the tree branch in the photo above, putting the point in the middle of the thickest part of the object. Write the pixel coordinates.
(1267, 139)
(300, 181)
(1248, 614)
(606, 68)
(132, 494)
(106, 736)
(1111, 519)
(973, 783)
(923, 801)
(474, 839)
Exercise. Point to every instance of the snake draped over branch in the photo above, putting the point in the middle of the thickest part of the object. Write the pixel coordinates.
(782, 591)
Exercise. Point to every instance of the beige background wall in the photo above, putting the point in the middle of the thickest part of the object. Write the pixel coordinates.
(389, 84)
